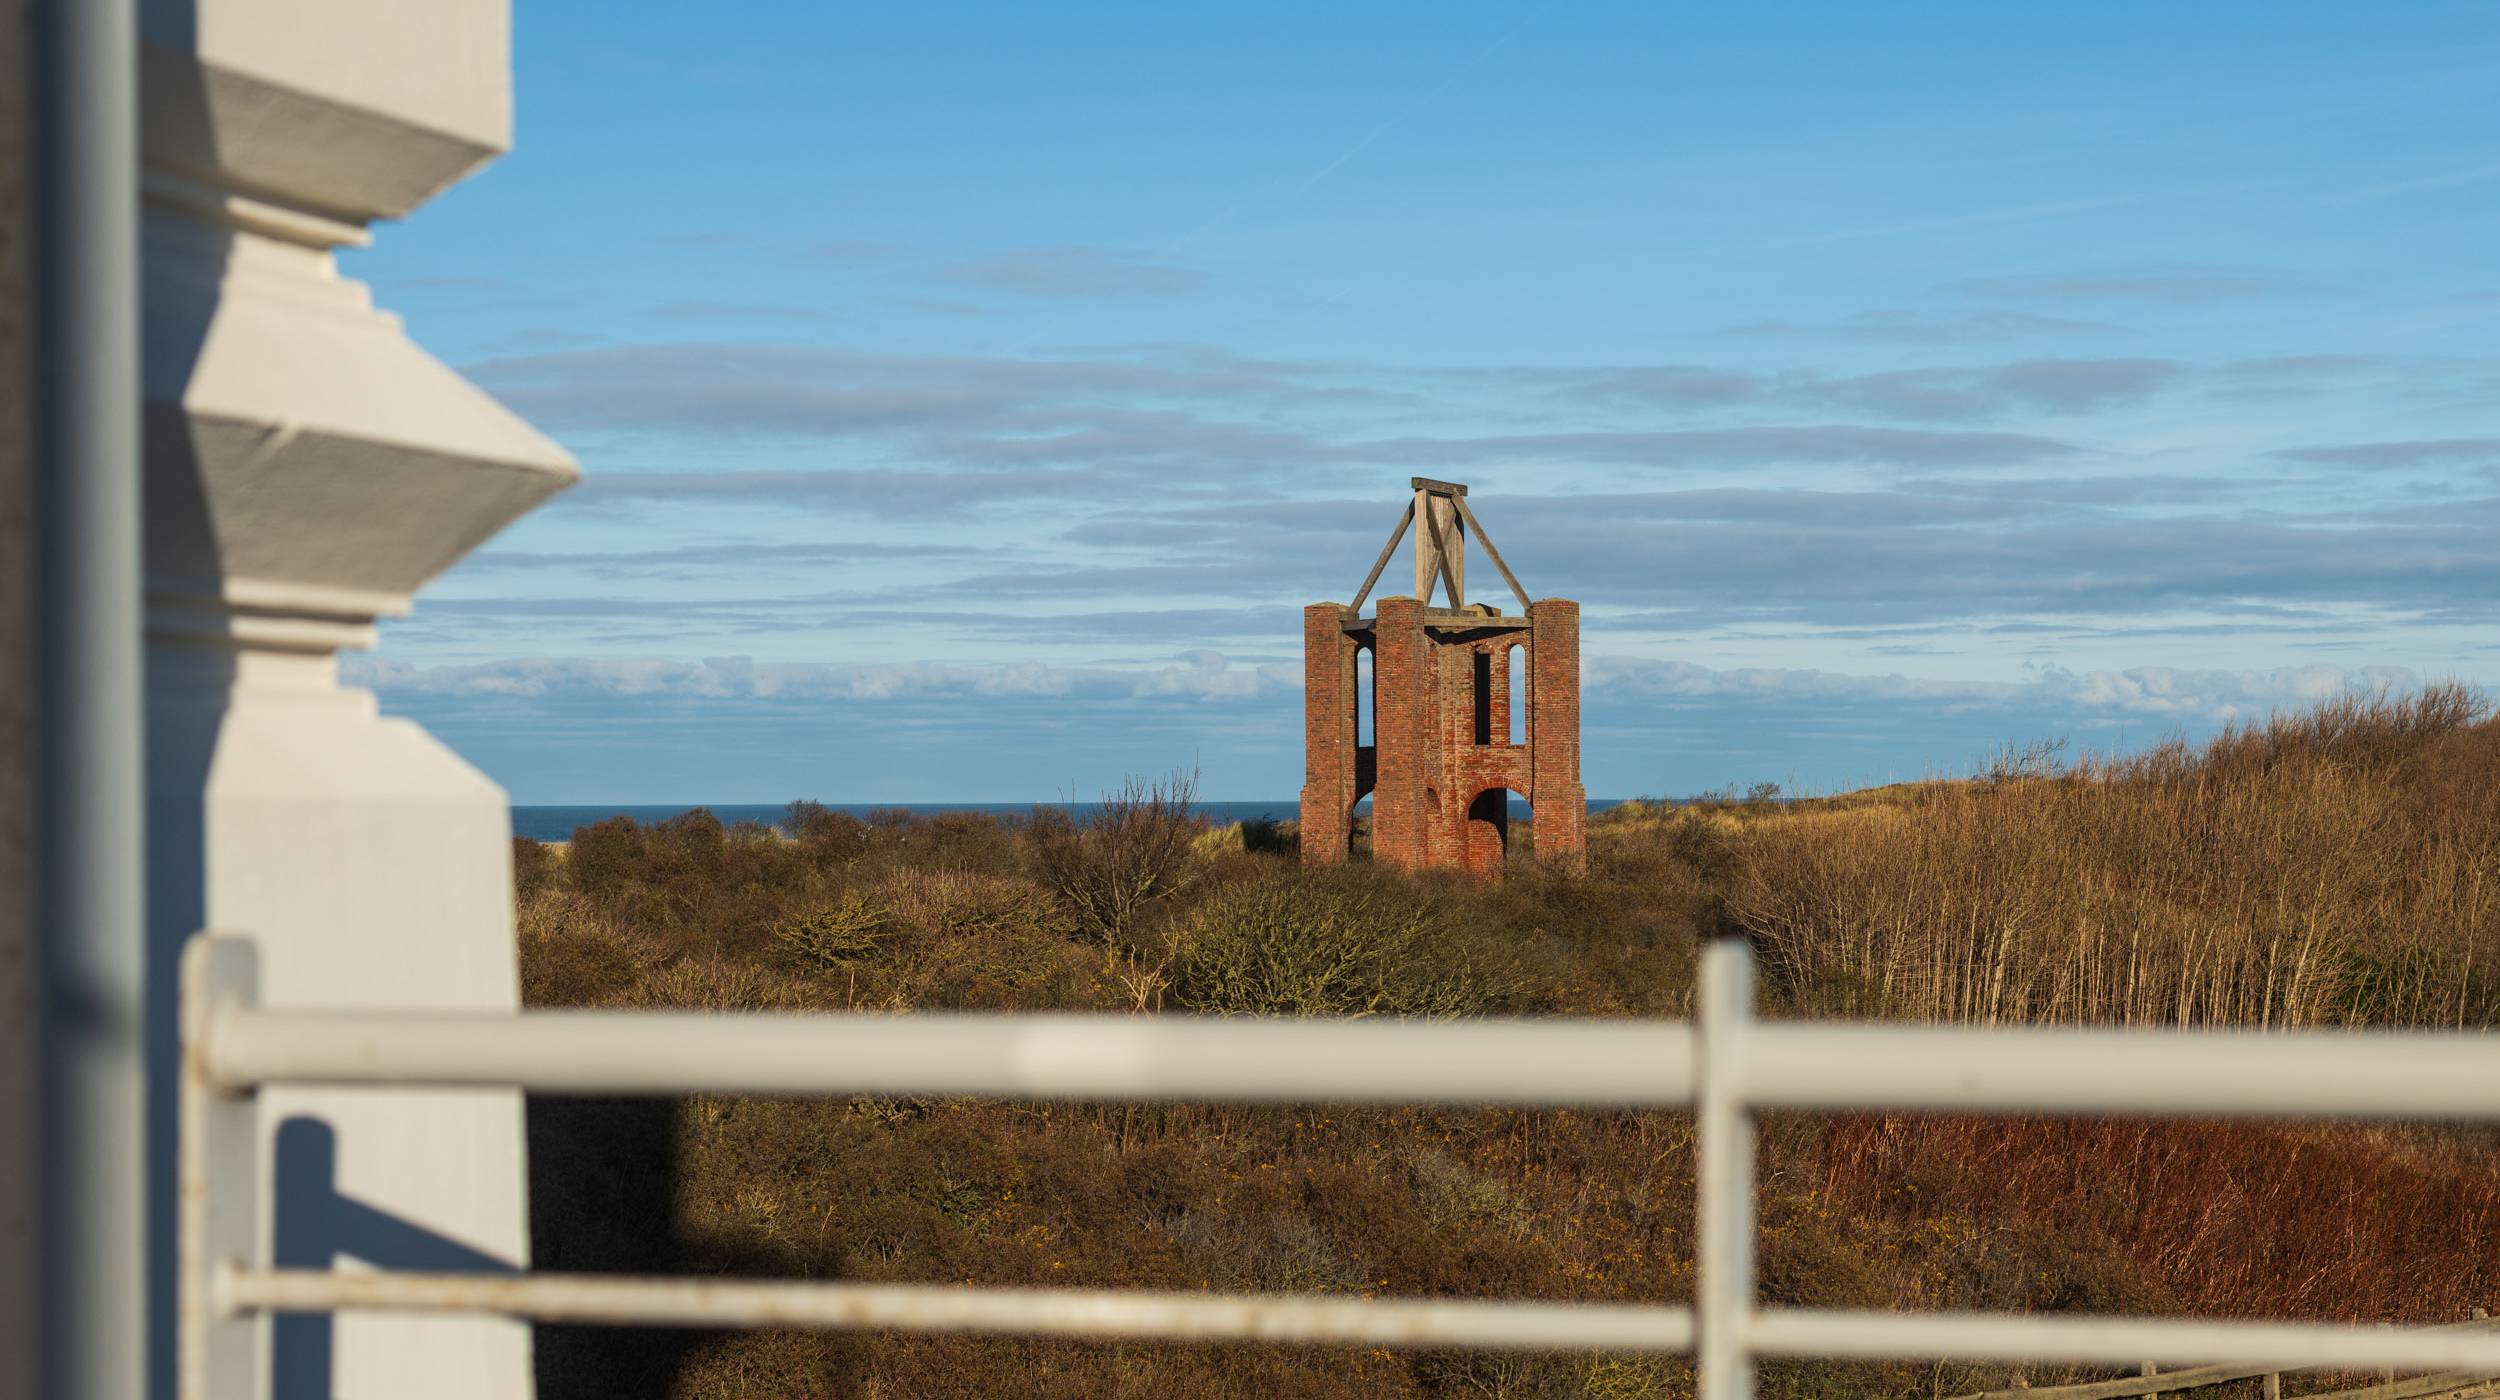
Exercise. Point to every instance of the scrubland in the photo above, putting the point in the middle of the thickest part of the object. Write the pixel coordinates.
(2324, 870)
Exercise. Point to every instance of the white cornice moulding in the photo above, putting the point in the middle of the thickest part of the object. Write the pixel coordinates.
(309, 466)
(362, 108)
(300, 444)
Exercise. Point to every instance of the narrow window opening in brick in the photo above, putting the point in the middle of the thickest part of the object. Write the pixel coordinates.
(1484, 697)
(1364, 730)
(1518, 694)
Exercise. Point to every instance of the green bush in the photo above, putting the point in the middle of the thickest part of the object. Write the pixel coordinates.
(1346, 942)
(835, 934)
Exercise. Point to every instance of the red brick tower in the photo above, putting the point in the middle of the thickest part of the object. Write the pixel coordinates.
(1439, 759)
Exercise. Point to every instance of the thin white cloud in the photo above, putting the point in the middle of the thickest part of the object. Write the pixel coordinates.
(2160, 692)
(1200, 675)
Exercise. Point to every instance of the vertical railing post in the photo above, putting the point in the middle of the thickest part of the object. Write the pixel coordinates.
(1723, 1294)
(90, 973)
(219, 1352)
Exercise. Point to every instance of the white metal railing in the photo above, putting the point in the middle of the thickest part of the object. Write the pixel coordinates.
(1726, 1066)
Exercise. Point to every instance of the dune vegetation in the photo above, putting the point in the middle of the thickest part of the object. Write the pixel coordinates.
(2335, 868)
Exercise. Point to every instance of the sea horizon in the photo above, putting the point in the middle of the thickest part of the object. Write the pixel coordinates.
(557, 821)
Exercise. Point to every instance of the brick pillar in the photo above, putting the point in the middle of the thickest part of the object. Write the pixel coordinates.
(1560, 801)
(1328, 702)
(1407, 761)
(1451, 723)
(1497, 656)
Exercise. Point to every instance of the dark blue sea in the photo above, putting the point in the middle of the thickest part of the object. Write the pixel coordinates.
(556, 823)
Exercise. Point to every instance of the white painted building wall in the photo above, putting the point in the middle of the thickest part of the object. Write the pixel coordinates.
(309, 468)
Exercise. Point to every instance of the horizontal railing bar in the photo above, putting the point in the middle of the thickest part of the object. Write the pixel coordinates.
(2447, 1383)
(2130, 1386)
(617, 1300)
(2154, 1074)
(1592, 1063)
(2116, 1341)
(1271, 1060)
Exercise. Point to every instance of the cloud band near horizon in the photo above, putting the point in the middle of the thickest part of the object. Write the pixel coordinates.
(725, 729)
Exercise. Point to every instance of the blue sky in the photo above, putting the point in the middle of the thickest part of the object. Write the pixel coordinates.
(971, 396)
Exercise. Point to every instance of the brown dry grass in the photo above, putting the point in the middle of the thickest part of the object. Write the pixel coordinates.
(2337, 867)
(2325, 869)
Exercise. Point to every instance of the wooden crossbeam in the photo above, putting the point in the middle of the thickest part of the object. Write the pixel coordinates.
(1487, 541)
(1404, 520)
(1441, 558)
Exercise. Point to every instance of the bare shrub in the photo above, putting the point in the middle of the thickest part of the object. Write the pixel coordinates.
(1131, 852)
(535, 865)
(572, 953)
(605, 855)
(1268, 836)
(918, 936)
(714, 982)
(830, 835)
(1344, 942)
(937, 903)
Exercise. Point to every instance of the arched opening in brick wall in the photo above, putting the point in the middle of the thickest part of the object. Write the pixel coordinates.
(1487, 832)
(1517, 661)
